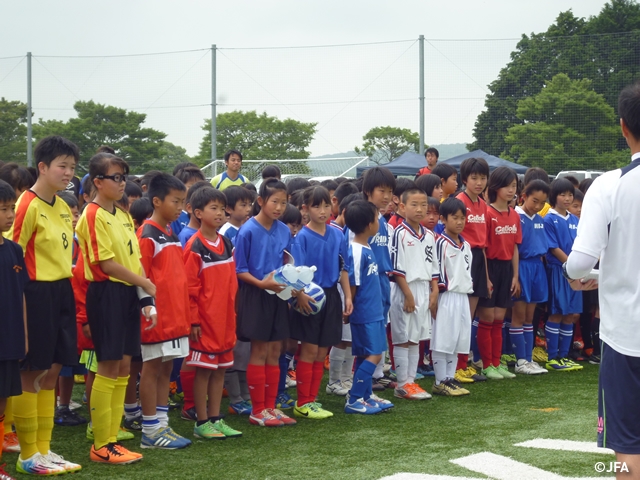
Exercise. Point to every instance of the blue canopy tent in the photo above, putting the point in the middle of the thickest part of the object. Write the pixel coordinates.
(494, 162)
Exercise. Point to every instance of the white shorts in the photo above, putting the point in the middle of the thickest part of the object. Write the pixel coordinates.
(415, 326)
(452, 326)
(178, 348)
(241, 354)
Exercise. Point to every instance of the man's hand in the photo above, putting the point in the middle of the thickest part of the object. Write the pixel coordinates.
(580, 286)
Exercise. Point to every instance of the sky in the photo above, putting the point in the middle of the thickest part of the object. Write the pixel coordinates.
(346, 65)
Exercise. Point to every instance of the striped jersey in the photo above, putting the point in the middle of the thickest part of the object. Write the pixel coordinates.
(455, 265)
(222, 181)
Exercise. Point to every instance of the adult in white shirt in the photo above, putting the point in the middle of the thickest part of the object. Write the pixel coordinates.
(609, 229)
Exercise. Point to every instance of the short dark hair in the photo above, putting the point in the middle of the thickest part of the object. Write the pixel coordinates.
(141, 209)
(189, 173)
(105, 149)
(123, 203)
(412, 191)
(470, 166)
(291, 215)
(352, 197)
(537, 186)
(54, 146)
(403, 184)
(451, 206)
(444, 171)
(629, 108)
(559, 186)
(297, 183)
(146, 178)
(574, 181)
(16, 175)
(195, 187)
(87, 185)
(377, 177)
(182, 166)
(100, 163)
(68, 198)
(340, 180)
(435, 203)
(501, 177)
(360, 215)
(161, 185)
(329, 184)
(231, 152)
(132, 189)
(297, 198)
(237, 194)
(432, 150)
(344, 189)
(536, 173)
(204, 196)
(428, 183)
(7, 192)
(315, 195)
(585, 184)
(271, 171)
(578, 196)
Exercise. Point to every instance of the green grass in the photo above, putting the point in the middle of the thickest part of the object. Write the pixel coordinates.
(418, 437)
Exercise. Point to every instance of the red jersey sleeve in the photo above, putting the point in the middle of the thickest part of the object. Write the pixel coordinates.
(147, 250)
(193, 265)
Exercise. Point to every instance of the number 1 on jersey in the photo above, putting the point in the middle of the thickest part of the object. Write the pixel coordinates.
(130, 247)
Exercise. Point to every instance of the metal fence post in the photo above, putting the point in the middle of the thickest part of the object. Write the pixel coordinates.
(29, 111)
(421, 40)
(214, 131)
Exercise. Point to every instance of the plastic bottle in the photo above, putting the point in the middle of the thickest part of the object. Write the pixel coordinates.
(287, 275)
(305, 276)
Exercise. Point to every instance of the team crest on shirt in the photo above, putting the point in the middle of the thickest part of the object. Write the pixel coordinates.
(372, 269)
(380, 240)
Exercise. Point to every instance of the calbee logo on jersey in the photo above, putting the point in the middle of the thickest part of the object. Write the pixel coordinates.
(475, 218)
(507, 230)
(372, 269)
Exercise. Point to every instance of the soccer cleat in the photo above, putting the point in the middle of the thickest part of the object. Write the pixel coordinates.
(492, 373)
(226, 430)
(336, 388)
(189, 414)
(578, 344)
(122, 434)
(376, 386)
(411, 391)
(475, 374)
(449, 389)
(207, 431)
(291, 379)
(241, 408)
(509, 360)
(385, 381)
(78, 379)
(11, 444)
(593, 360)
(311, 410)
(283, 401)
(559, 365)
(541, 340)
(348, 383)
(477, 364)
(65, 417)
(576, 366)
(114, 454)
(426, 370)
(361, 407)
(85, 400)
(540, 355)
(265, 419)
(286, 419)
(134, 424)
(56, 459)
(464, 376)
(3, 473)
(529, 368)
(576, 356)
(165, 439)
(381, 403)
(504, 371)
(38, 464)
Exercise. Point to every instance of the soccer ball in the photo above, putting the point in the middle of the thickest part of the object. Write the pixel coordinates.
(316, 293)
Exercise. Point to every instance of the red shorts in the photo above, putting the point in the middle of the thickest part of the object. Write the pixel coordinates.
(210, 361)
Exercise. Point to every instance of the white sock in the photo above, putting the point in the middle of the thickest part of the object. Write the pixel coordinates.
(132, 410)
(336, 359)
(414, 357)
(452, 363)
(378, 371)
(439, 366)
(150, 424)
(162, 412)
(401, 357)
(347, 365)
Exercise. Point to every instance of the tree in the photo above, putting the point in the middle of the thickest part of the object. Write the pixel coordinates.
(13, 131)
(98, 124)
(566, 125)
(383, 144)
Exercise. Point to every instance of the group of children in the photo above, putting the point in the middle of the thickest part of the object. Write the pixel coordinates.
(182, 280)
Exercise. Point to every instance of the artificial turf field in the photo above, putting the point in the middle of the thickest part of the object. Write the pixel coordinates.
(416, 437)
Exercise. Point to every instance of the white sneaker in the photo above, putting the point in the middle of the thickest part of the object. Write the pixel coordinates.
(336, 388)
(61, 462)
(348, 383)
(539, 370)
(38, 464)
(527, 368)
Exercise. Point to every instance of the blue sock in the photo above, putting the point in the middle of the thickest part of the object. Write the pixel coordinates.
(362, 380)
(474, 339)
(566, 334)
(528, 341)
(551, 332)
(516, 336)
(506, 342)
(283, 363)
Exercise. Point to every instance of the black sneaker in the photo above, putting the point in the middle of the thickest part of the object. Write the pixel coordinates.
(189, 414)
(594, 359)
(134, 424)
(68, 418)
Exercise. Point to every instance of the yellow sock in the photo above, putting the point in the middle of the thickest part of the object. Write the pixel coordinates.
(117, 405)
(25, 417)
(101, 395)
(46, 410)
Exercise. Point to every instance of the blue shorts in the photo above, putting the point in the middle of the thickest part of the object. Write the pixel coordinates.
(534, 287)
(618, 400)
(368, 338)
(562, 299)
(385, 294)
(67, 371)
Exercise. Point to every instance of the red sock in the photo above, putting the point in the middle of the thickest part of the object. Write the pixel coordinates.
(304, 378)
(2, 432)
(256, 382)
(272, 374)
(496, 338)
(186, 379)
(316, 380)
(485, 342)
(463, 360)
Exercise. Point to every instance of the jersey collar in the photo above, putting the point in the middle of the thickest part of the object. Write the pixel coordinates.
(521, 211)
(635, 156)
(419, 235)
(554, 212)
(452, 242)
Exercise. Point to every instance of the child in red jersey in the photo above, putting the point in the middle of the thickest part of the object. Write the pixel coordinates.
(211, 278)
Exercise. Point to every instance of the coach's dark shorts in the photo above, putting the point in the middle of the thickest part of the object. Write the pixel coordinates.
(113, 311)
(323, 329)
(501, 276)
(260, 315)
(618, 402)
(479, 274)
(10, 383)
(51, 324)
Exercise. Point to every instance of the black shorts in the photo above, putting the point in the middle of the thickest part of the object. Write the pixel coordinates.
(323, 329)
(618, 400)
(501, 276)
(113, 312)
(479, 274)
(10, 383)
(260, 315)
(51, 325)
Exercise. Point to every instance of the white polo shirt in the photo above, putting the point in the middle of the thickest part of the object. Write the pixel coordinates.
(609, 228)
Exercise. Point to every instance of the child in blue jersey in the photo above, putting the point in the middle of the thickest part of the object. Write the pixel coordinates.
(531, 273)
(239, 201)
(565, 304)
(368, 319)
(263, 318)
(377, 186)
(325, 248)
(192, 227)
(189, 175)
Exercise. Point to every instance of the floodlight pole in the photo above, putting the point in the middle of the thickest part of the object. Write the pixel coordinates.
(29, 126)
(421, 41)
(214, 131)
